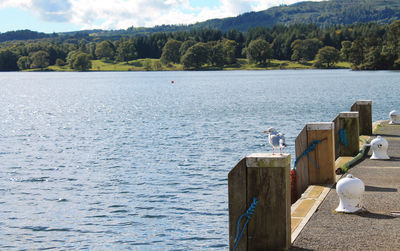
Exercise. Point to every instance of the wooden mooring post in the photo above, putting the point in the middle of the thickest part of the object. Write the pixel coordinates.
(318, 166)
(347, 134)
(364, 108)
(266, 177)
(321, 165)
(302, 180)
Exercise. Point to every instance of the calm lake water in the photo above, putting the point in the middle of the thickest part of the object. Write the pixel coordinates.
(131, 161)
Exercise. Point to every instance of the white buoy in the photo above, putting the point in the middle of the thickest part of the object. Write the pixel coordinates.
(350, 190)
(379, 148)
(394, 117)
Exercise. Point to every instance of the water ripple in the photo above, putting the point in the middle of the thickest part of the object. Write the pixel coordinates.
(119, 161)
(45, 229)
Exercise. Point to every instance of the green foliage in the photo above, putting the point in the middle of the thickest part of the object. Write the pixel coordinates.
(326, 57)
(366, 46)
(375, 51)
(8, 61)
(156, 66)
(24, 63)
(126, 51)
(39, 59)
(239, 38)
(229, 48)
(259, 51)
(207, 34)
(147, 65)
(321, 13)
(91, 47)
(170, 52)
(345, 51)
(396, 65)
(373, 59)
(23, 35)
(196, 56)
(60, 62)
(150, 46)
(357, 51)
(82, 62)
(79, 61)
(185, 46)
(305, 50)
(216, 54)
(392, 49)
(105, 50)
(393, 35)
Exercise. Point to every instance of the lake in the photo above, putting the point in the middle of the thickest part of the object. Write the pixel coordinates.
(132, 160)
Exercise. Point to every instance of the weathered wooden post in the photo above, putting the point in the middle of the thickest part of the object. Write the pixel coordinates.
(302, 180)
(321, 161)
(315, 156)
(266, 177)
(346, 134)
(364, 108)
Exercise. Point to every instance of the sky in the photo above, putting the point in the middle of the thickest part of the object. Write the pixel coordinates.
(71, 15)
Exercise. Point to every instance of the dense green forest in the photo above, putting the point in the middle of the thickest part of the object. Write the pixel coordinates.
(367, 46)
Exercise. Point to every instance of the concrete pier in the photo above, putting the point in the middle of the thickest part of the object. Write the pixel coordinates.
(375, 229)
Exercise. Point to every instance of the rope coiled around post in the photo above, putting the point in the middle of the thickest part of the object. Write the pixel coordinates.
(249, 212)
(310, 148)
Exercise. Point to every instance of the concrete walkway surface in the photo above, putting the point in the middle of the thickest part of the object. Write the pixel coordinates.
(376, 229)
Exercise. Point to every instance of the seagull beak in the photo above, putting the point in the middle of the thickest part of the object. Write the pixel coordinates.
(266, 131)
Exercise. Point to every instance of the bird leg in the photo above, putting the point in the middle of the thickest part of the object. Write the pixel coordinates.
(273, 150)
(280, 150)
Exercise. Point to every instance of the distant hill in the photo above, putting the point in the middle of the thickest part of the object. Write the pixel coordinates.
(325, 13)
(321, 13)
(23, 35)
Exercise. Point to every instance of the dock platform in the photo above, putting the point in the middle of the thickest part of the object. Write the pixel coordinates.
(378, 228)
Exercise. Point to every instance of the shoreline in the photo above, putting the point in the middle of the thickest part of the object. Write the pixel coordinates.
(155, 65)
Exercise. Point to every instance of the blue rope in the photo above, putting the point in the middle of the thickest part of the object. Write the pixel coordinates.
(310, 148)
(312, 160)
(343, 137)
(249, 212)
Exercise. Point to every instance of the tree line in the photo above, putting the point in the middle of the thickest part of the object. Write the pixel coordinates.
(366, 46)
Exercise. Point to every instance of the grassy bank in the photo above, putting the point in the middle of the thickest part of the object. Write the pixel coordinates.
(155, 65)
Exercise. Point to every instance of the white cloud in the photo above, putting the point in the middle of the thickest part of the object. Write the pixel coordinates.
(121, 14)
(259, 5)
(53, 10)
(12, 3)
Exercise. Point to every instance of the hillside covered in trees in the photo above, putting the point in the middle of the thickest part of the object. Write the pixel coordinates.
(323, 14)
(366, 46)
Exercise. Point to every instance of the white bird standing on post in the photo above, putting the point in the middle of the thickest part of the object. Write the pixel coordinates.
(275, 139)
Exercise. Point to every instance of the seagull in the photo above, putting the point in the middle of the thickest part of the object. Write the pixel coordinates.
(275, 139)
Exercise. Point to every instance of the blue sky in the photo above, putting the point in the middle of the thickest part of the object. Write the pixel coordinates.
(71, 15)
